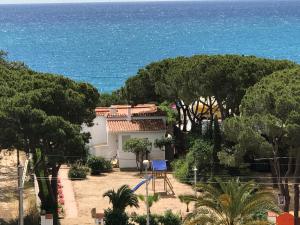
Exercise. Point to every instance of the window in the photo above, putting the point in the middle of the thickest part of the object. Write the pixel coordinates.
(124, 139)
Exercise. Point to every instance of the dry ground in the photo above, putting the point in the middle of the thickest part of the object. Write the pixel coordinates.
(8, 186)
(88, 195)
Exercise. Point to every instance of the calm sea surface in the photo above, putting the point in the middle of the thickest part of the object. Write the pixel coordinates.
(105, 43)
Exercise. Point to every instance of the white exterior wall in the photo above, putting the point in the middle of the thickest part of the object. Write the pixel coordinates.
(107, 151)
(127, 159)
(101, 143)
(97, 131)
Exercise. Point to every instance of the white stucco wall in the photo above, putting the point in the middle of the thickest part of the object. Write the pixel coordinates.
(101, 143)
(108, 150)
(97, 131)
(127, 159)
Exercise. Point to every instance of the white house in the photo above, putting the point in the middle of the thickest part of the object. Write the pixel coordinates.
(116, 124)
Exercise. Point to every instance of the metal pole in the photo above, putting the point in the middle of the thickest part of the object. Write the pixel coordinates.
(195, 180)
(146, 164)
(20, 187)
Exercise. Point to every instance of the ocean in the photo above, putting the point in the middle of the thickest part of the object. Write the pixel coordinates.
(105, 43)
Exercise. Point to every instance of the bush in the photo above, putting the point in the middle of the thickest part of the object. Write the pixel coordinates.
(115, 217)
(169, 218)
(200, 154)
(98, 165)
(142, 220)
(181, 170)
(78, 171)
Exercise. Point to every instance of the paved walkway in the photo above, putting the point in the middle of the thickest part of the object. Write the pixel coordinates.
(69, 197)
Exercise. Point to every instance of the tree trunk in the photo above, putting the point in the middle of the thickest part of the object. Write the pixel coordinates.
(221, 107)
(273, 173)
(43, 182)
(288, 174)
(277, 169)
(178, 114)
(54, 174)
(183, 108)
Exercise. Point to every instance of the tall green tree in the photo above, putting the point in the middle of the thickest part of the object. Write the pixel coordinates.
(218, 82)
(230, 203)
(269, 126)
(42, 114)
(141, 147)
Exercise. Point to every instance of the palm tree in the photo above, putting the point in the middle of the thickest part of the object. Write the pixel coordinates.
(151, 199)
(122, 198)
(186, 199)
(230, 203)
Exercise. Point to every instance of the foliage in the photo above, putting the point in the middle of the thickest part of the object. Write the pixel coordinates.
(219, 79)
(78, 172)
(114, 98)
(142, 220)
(169, 218)
(98, 165)
(269, 126)
(122, 198)
(150, 200)
(185, 199)
(181, 170)
(116, 217)
(199, 155)
(45, 112)
(171, 113)
(162, 142)
(140, 147)
(230, 203)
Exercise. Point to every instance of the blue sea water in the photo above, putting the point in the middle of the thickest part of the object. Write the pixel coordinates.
(105, 43)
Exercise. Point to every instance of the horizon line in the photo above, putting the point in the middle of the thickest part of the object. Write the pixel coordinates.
(130, 1)
(101, 1)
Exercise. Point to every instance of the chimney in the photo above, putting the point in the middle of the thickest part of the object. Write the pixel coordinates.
(112, 110)
(129, 113)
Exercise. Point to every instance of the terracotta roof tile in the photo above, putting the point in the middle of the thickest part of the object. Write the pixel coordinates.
(116, 126)
(123, 110)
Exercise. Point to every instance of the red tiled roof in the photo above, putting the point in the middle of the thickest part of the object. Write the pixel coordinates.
(123, 110)
(135, 125)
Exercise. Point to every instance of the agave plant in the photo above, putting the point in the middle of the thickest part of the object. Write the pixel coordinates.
(230, 203)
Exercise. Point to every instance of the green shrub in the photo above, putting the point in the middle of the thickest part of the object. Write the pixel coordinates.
(142, 220)
(98, 165)
(169, 218)
(181, 170)
(200, 154)
(78, 171)
(115, 217)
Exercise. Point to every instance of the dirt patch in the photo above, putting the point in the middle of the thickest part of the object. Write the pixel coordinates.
(8, 185)
(88, 195)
